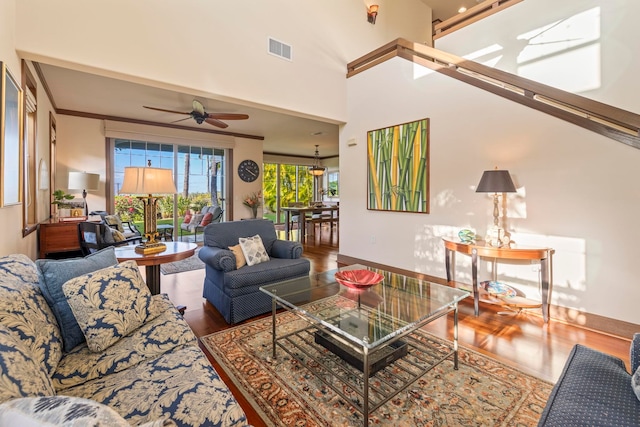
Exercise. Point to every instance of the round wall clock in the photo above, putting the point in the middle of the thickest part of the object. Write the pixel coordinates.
(248, 170)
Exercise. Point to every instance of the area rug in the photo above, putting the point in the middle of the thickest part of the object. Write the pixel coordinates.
(187, 264)
(482, 392)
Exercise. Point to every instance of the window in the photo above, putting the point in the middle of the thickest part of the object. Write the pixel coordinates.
(198, 171)
(284, 184)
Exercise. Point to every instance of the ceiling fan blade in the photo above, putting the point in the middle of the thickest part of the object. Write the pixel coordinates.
(228, 116)
(166, 111)
(217, 123)
(181, 120)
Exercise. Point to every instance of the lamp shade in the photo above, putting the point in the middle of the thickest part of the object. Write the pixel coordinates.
(147, 180)
(496, 181)
(83, 181)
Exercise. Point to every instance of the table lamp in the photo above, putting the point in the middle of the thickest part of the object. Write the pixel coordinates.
(147, 181)
(496, 181)
(86, 182)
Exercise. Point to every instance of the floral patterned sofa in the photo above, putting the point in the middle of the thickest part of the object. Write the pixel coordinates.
(155, 374)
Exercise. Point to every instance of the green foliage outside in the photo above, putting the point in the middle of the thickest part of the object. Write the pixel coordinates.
(292, 178)
(132, 209)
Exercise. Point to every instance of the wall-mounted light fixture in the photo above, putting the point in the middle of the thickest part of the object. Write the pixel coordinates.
(372, 13)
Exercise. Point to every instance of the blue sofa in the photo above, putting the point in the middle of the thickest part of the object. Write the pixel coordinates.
(236, 292)
(154, 376)
(594, 389)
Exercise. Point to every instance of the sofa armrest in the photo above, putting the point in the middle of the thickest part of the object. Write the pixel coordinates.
(286, 249)
(634, 353)
(218, 258)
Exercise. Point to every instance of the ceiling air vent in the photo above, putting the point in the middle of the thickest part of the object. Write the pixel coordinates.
(279, 49)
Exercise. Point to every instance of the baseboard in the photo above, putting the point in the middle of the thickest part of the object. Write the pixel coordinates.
(571, 316)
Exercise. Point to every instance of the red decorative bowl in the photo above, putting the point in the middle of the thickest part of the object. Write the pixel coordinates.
(358, 278)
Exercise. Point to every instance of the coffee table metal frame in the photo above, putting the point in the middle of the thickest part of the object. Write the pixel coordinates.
(295, 343)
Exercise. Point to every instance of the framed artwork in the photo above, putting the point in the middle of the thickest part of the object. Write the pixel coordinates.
(10, 138)
(398, 168)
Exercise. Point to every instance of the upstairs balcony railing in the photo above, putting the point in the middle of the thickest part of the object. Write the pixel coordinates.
(612, 122)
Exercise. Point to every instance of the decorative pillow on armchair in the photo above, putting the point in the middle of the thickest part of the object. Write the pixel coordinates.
(206, 219)
(196, 219)
(240, 259)
(109, 303)
(187, 218)
(253, 250)
(114, 220)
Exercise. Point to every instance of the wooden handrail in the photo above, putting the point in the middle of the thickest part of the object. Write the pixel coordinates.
(476, 13)
(607, 120)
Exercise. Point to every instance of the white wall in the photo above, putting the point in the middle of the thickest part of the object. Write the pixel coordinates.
(11, 216)
(576, 189)
(218, 48)
(588, 47)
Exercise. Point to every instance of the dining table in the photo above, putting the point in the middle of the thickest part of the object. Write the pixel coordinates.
(302, 212)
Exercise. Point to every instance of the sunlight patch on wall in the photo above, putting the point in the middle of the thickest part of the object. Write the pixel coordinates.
(487, 56)
(571, 45)
(582, 70)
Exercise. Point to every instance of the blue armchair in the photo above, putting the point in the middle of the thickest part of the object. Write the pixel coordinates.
(236, 292)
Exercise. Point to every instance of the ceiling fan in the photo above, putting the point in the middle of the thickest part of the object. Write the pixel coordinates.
(199, 115)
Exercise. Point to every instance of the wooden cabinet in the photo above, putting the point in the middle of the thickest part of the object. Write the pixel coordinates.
(54, 236)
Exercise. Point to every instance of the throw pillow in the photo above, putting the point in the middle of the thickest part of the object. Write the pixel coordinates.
(21, 375)
(206, 219)
(253, 250)
(54, 273)
(187, 218)
(114, 220)
(117, 236)
(64, 411)
(635, 382)
(109, 303)
(240, 259)
(196, 219)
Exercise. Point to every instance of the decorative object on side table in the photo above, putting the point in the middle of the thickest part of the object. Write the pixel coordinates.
(253, 201)
(466, 236)
(496, 181)
(148, 181)
(61, 201)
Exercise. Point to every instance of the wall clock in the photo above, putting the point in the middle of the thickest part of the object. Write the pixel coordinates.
(248, 170)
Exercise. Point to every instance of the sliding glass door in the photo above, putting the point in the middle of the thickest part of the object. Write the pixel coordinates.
(199, 174)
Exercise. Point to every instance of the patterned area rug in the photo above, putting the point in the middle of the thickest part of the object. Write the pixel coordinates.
(482, 392)
(188, 264)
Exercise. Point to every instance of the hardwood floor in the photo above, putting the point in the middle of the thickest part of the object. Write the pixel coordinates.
(522, 341)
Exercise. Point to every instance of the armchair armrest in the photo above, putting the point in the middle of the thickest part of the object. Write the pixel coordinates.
(286, 249)
(218, 258)
(634, 353)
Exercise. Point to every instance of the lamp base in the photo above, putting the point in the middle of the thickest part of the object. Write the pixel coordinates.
(497, 237)
(150, 248)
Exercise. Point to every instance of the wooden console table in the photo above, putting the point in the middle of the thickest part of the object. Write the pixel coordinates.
(482, 249)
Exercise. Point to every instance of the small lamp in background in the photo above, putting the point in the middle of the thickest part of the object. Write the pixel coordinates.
(147, 181)
(86, 182)
(496, 181)
(372, 13)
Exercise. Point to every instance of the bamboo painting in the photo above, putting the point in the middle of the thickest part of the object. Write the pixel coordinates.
(398, 168)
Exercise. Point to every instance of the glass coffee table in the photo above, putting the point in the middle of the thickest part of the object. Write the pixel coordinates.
(363, 344)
